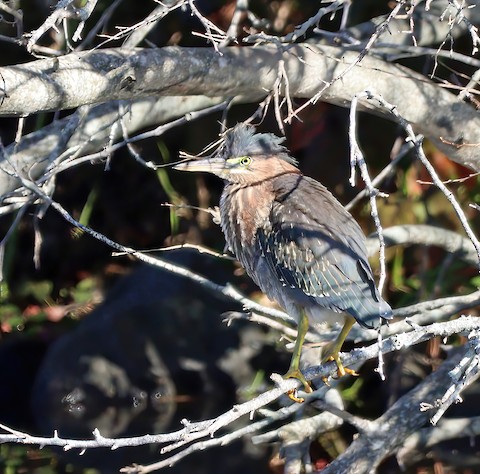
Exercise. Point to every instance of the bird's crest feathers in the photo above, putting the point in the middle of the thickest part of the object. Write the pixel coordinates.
(242, 140)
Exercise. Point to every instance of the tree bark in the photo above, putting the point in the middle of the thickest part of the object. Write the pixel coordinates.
(248, 74)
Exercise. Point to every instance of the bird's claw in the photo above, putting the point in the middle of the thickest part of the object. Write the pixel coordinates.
(296, 374)
(348, 371)
(325, 380)
(292, 394)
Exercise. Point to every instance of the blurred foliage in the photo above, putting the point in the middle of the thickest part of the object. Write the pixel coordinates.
(37, 304)
(19, 459)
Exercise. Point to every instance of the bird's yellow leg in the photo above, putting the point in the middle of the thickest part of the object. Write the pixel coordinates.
(331, 351)
(294, 369)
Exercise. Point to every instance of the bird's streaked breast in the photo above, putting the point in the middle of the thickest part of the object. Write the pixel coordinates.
(243, 210)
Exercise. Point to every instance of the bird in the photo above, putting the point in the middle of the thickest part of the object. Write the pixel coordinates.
(293, 238)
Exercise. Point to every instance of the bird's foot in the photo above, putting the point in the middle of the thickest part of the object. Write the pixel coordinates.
(297, 374)
(341, 370)
(331, 351)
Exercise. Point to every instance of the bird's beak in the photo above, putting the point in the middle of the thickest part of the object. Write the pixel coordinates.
(216, 166)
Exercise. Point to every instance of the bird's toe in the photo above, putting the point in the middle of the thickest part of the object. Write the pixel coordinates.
(297, 374)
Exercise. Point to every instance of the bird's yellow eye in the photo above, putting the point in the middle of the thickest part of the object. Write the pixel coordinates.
(245, 161)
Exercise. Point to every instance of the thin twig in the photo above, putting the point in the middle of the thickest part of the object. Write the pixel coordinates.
(463, 375)
(300, 31)
(378, 32)
(213, 33)
(406, 148)
(152, 19)
(156, 132)
(472, 29)
(357, 159)
(199, 248)
(241, 11)
(422, 157)
(278, 415)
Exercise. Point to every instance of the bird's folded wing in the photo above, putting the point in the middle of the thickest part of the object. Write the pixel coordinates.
(320, 262)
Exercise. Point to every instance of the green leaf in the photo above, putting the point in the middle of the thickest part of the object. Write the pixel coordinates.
(82, 293)
(40, 290)
(88, 207)
(166, 184)
(475, 281)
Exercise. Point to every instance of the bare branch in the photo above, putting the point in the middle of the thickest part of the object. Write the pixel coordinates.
(382, 175)
(394, 426)
(357, 159)
(300, 30)
(370, 96)
(170, 71)
(445, 430)
(63, 10)
(136, 33)
(272, 417)
(432, 388)
(427, 235)
(373, 38)
(241, 11)
(86, 132)
(472, 29)
(463, 375)
(213, 33)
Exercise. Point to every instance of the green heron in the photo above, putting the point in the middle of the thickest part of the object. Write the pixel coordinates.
(294, 239)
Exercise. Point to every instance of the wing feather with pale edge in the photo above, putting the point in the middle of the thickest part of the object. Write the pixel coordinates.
(314, 246)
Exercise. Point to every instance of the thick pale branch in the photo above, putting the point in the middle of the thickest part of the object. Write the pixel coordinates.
(111, 74)
(446, 429)
(426, 235)
(392, 428)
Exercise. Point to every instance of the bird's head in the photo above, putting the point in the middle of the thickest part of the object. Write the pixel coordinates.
(245, 157)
